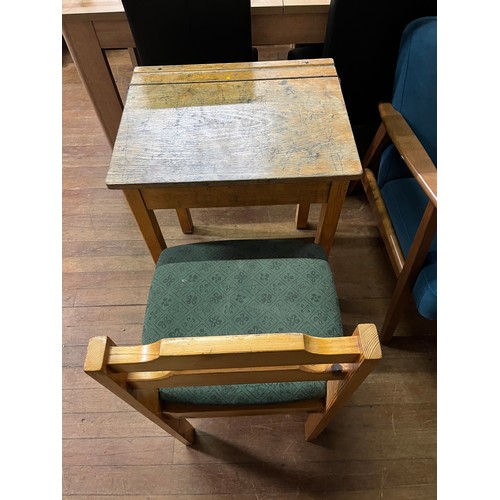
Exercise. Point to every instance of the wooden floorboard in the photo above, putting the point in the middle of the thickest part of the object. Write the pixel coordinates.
(382, 444)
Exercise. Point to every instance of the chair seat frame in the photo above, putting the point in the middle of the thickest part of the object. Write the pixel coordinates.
(136, 373)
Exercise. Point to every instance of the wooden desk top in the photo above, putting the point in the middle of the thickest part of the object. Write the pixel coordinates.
(225, 124)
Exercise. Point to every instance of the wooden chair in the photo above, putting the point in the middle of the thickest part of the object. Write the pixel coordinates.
(403, 195)
(190, 32)
(238, 328)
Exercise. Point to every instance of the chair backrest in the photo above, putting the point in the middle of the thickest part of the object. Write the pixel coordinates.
(415, 84)
(363, 38)
(190, 31)
(135, 373)
(414, 94)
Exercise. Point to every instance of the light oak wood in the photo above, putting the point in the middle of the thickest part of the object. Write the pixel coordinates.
(147, 222)
(330, 213)
(264, 133)
(233, 351)
(96, 76)
(146, 402)
(388, 234)
(340, 390)
(217, 194)
(302, 214)
(179, 410)
(135, 373)
(228, 125)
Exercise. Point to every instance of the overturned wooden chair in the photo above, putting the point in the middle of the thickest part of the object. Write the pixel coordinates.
(238, 328)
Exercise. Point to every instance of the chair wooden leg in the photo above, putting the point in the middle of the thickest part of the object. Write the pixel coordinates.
(146, 402)
(179, 428)
(339, 391)
(302, 215)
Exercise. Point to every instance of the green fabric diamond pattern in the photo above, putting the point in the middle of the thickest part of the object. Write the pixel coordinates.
(240, 296)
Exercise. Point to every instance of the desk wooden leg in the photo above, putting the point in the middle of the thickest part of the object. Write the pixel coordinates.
(185, 220)
(96, 75)
(302, 215)
(147, 222)
(330, 214)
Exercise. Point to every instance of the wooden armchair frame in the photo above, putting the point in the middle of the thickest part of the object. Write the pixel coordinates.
(136, 373)
(395, 129)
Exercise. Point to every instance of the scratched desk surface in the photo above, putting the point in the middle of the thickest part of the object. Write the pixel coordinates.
(239, 122)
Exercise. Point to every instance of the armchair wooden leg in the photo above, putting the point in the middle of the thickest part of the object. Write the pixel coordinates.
(339, 391)
(413, 264)
(146, 402)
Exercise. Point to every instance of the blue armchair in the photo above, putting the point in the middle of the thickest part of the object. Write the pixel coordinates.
(403, 193)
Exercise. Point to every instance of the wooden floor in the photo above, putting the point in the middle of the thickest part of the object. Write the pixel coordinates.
(382, 444)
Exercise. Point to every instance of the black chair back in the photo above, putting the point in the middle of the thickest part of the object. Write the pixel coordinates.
(190, 31)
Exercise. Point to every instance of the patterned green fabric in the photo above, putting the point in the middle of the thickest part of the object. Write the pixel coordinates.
(237, 288)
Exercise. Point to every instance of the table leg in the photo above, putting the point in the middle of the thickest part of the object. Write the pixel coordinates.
(330, 214)
(147, 222)
(302, 215)
(185, 220)
(96, 75)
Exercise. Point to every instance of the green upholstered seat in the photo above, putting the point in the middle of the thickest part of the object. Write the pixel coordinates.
(241, 287)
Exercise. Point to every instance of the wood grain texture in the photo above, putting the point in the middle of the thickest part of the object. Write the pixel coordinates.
(237, 134)
(381, 445)
(227, 125)
(411, 150)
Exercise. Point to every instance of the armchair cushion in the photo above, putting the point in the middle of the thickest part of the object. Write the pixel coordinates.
(241, 287)
(415, 88)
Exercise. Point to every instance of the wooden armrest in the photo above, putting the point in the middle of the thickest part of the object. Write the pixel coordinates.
(246, 355)
(411, 150)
